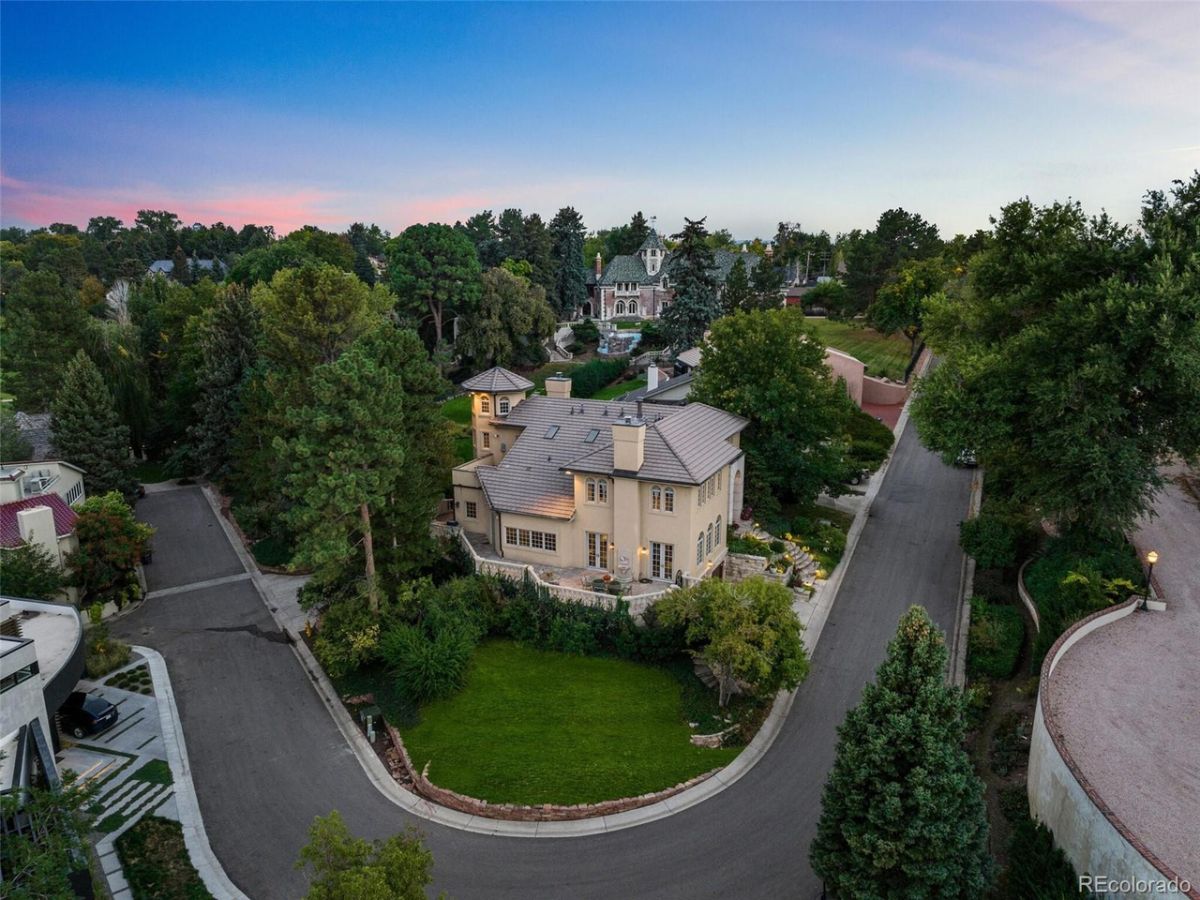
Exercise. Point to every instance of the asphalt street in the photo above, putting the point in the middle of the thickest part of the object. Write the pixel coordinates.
(267, 757)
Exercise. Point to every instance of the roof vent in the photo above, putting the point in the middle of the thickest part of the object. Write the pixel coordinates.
(605, 413)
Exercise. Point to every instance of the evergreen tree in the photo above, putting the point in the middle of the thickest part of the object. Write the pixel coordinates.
(736, 295)
(435, 274)
(229, 347)
(350, 459)
(639, 230)
(181, 269)
(44, 327)
(570, 279)
(14, 446)
(87, 431)
(29, 571)
(692, 273)
(539, 251)
(766, 285)
(903, 812)
(510, 228)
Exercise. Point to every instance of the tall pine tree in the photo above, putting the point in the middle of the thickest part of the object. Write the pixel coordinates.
(736, 294)
(570, 276)
(766, 285)
(903, 812)
(87, 431)
(693, 276)
(230, 348)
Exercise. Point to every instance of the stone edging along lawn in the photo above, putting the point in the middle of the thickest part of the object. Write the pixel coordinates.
(400, 765)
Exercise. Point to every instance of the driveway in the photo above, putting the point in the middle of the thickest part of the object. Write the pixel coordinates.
(267, 757)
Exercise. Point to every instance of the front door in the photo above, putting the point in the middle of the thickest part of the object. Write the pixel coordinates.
(597, 550)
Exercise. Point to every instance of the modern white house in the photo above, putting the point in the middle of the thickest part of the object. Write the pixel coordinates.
(633, 490)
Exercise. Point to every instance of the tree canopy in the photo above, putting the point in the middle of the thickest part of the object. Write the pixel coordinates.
(345, 866)
(87, 431)
(509, 323)
(1071, 360)
(692, 272)
(435, 274)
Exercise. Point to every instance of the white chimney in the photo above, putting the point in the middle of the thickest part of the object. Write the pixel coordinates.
(652, 377)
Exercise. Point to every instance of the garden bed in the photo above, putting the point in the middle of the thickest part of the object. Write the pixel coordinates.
(535, 726)
(156, 864)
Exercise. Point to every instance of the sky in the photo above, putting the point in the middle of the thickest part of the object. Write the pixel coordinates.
(749, 114)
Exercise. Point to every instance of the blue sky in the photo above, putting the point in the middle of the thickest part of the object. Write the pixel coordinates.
(749, 114)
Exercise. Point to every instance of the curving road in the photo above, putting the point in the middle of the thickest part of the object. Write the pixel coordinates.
(267, 757)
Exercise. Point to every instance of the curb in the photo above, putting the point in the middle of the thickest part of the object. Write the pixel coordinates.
(957, 674)
(201, 852)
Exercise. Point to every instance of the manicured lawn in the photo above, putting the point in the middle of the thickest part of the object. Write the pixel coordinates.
(534, 726)
(618, 388)
(886, 357)
(151, 472)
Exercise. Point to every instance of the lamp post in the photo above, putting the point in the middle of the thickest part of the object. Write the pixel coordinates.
(1151, 559)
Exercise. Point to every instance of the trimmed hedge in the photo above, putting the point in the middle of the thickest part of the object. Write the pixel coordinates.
(994, 642)
(596, 374)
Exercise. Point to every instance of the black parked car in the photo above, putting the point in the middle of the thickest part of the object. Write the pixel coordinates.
(82, 714)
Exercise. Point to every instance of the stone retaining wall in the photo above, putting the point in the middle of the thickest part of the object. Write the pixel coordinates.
(401, 767)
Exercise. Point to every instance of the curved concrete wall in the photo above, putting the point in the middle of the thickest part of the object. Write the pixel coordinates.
(876, 390)
(1091, 835)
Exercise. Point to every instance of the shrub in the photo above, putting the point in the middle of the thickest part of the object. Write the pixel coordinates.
(777, 546)
(429, 666)
(348, 638)
(595, 374)
(653, 337)
(586, 332)
(111, 542)
(1078, 574)
(750, 546)
(994, 642)
(103, 653)
(156, 864)
(977, 696)
(1037, 870)
(868, 440)
(994, 538)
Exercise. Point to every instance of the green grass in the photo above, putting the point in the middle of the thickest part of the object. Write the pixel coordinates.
(110, 823)
(156, 863)
(151, 472)
(458, 409)
(618, 388)
(886, 357)
(535, 726)
(154, 772)
(629, 326)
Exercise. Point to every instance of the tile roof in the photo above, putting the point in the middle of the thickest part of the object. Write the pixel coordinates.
(497, 379)
(633, 268)
(167, 266)
(10, 533)
(652, 242)
(532, 478)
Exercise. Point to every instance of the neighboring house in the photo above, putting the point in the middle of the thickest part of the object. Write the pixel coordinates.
(213, 267)
(638, 490)
(639, 286)
(37, 501)
(41, 659)
(38, 429)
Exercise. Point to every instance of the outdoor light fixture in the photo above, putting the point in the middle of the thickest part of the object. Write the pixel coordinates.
(1151, 559)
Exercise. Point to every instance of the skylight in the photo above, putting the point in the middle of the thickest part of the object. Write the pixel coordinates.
(591, 436)
(551, 432)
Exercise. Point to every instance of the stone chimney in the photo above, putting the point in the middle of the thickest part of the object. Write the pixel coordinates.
(599, 265)
(629, 443)
(558, 385)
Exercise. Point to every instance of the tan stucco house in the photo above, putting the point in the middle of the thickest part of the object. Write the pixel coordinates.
(635, 490)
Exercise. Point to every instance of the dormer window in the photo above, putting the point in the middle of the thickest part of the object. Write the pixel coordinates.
(502, 406)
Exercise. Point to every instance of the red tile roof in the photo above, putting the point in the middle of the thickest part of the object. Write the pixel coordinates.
(10, 534)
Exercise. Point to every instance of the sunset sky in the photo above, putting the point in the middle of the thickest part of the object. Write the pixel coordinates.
(748, 114)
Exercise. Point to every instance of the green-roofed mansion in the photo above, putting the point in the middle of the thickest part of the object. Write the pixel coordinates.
(639, 286)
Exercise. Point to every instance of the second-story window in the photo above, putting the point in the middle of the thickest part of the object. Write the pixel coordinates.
(656, 497)
(720, 534)
(669, 500)
(700, 548)
(502, 406)
(708, 543)
(590, 490)
(485, 404)
(602, 489)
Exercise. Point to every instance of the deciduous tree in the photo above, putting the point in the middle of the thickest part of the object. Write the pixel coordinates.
(344, 866)
(747, 633)
(111, 542)
(29, 571)
(510, 323)
(903, 812)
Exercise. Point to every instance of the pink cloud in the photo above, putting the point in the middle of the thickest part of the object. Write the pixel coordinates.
(36, 203)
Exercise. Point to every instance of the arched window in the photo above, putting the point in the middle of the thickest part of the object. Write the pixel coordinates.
(485, 404)
(669, 499)
(620, 307)
(720, 533)
(633, 307)
(502, 406)
(602, 486)
(708, 543)
(656, 497)
(591, 490)
(700, 549)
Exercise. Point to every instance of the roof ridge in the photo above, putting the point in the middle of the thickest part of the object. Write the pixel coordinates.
(666, 440)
